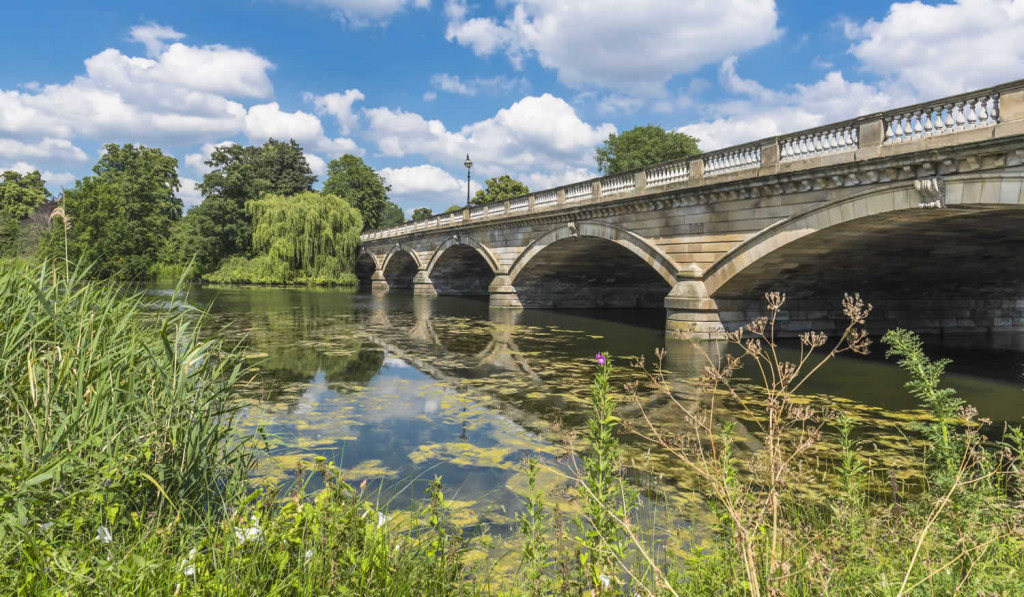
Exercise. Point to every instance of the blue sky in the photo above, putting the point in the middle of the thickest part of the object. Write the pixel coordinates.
(527, 87)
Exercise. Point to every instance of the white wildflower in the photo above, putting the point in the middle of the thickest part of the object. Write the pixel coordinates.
(103, 534)
(253, 531)
(605, 580)
(46, 526)
(382, 519)
(188, 566)
(309, 555)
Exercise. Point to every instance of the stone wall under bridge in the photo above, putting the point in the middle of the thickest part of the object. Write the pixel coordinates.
(928, 228)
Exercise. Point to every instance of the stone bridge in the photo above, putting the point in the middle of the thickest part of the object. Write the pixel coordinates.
(919, 209)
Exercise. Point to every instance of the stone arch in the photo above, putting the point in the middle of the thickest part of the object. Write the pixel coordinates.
(458, 239)
(399, 249)
(366, 263)
(978, 192)
(400, 268)
(634, 243)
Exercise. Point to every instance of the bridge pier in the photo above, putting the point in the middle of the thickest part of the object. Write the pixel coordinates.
(690, 310)
(503, 294)
(378, 284)
(422, 285)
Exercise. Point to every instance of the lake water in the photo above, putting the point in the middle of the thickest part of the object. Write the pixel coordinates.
(400, 389)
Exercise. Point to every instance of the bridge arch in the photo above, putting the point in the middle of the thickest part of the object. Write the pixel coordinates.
(655, 257)
(929, 258)
(461, 265)
(592, 264)
(400, 267)
(366, 263)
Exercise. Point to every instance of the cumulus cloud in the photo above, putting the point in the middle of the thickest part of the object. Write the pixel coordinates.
(362, 13)
(338, 105)
(947, 48)
(427, 186)
(54, 180)
(47, 148)
(534, 134)
(188, 193)
(197, 161)
(595, 43)
(952, 48)
(268, 120)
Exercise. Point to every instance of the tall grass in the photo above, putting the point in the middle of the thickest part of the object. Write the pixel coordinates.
(121, 473)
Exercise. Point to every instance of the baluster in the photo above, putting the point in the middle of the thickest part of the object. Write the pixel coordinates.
(918, 128)
(972, 118)
(959, 118)
(949, 122)
(994, 112)
(897, 129)
(928, 121)
(982, 113)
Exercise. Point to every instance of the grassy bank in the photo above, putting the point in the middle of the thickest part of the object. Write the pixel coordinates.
(121, 473)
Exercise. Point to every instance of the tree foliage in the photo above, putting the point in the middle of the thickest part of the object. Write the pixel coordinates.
(20, 195)
(392, 215)
(453, 208)
(314, 234)
(499, 189)
(421, 213)
(120, 217)
(642, 146)
(350, 178)
(221, 227)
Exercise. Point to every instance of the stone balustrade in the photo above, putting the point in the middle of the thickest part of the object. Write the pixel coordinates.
(944, 116)
(899, 128)
(732, 159)
(819, 141)
(663, 174)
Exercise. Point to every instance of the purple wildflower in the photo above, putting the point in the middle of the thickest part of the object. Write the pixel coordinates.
(601, 360)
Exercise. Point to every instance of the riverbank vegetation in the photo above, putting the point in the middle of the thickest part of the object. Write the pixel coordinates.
(123, 472)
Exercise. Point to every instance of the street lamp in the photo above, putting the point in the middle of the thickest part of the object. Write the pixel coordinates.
(469, 165)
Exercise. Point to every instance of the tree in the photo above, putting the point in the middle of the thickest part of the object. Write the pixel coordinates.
(392, 215)
(350, 178)
(421, 213)
(453, 208)
(642, 146)
(315, 234)
(20, 195)
(121, 216)
(220, 226)
(499, 189)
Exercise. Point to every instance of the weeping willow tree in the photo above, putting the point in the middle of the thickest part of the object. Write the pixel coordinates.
(314, 234)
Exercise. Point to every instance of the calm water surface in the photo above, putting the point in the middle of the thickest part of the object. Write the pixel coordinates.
(399, 389)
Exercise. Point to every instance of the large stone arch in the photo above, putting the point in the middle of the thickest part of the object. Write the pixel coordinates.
(634, 243)
(366, 263)
(459, 239)
(588, 265)
(400, 268)
(930, 255)
(976, 192)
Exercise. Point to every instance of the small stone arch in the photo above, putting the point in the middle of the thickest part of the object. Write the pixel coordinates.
(931, 193)
(364, 251)
(459, 239)
(399, 249)
(634, 243)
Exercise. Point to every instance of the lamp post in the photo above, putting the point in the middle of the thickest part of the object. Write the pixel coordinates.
(469, 165)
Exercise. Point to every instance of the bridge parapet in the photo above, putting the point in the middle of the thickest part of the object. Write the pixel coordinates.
(922, 126)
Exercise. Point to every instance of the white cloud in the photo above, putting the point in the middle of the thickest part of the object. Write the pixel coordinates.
(765, 113)
(154, 36)
(47, 148)
(361, 13)
(596, 43)
(268, 120)
(188, 193)
(197, 161)
(429, 96)
(427, 185)
(944, 49)
(534, 134)
(474, 86)
(316, 164)
(338, 105)
(53, 180)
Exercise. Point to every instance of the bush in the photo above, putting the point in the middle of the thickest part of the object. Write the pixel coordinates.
(264, 269)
